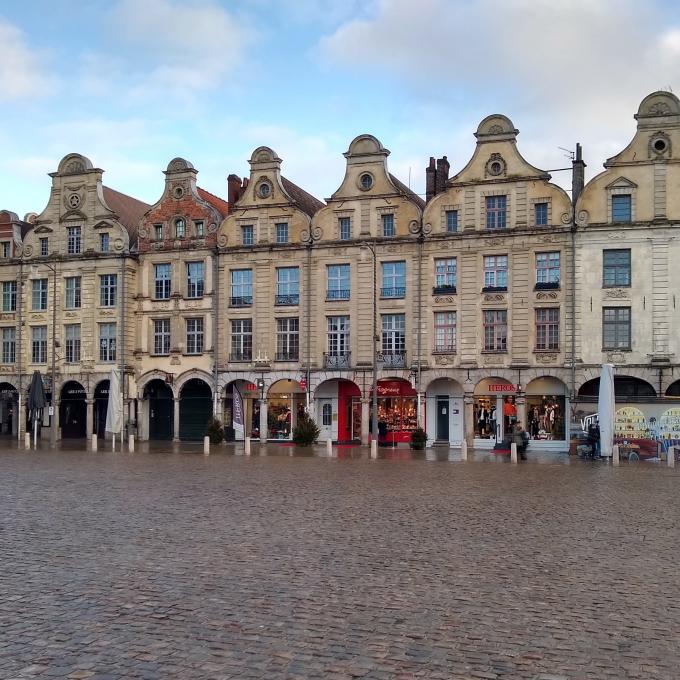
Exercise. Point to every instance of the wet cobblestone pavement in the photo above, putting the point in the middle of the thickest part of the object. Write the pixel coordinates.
(175, 565)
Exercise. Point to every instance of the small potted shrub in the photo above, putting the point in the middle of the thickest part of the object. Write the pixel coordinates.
(306, 432)
(418, 439)
(214, 430)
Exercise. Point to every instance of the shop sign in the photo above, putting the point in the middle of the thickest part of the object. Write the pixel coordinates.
(9, 394)
(501, 387)
(73, 392)
(389, 390)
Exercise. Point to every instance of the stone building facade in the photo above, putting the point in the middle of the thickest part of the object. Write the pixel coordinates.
(493, 302)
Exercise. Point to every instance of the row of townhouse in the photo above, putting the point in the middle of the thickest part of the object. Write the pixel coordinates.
(494, 301)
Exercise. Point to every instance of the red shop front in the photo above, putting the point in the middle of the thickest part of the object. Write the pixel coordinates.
(397, 411)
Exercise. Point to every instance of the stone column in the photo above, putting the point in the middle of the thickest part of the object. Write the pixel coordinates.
(263, 421)
(468, 419)
(89, 419)
(422, 416)
(175, 421)
(365, 420)
(521, 405)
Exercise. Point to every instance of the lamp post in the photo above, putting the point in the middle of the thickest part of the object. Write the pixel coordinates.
(55, 344)
(309, 238)
(374, 405)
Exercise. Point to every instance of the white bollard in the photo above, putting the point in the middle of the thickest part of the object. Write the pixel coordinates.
(27, 440)
(615, 454)
(374, 448)
(94, 443)
(206, 446)
(463, 451)
(131, 443)
(513, 452)
(246, 446)
(670, 456)
(329, 447)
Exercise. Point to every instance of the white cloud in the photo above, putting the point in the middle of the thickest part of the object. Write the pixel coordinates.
(22, 72)
(172, 46)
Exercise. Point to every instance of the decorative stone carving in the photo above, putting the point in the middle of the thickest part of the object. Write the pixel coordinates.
(582, 218)
(493, 359)
(659, 109)
(212, 228)
(495, 166)
(143, 233)
(549, 238)
(565, 218)
(107, 313)
(495, 130)
(659, 145)
(546, 357)
(616, 235)
(448, 299)
(546, 296)
(71, 315)
(175, 360)
(74, 167)
(615, 357)
(495, 242)
(617, 293)
(222, 240)
(444, 359)
(28, 251)
(6, 317)
(497, 297)
(118, 244)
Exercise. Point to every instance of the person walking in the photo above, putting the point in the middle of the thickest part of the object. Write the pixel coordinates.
(519, 439)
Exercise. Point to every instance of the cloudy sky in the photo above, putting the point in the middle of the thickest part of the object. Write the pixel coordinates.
(134, 83)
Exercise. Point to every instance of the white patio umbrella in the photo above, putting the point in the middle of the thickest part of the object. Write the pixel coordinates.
(606, 406)
(114, 409)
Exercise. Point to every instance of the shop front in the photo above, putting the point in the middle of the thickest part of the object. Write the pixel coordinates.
(101, 403)
(285, 402)
(397, 411)
(241, 410)
(195, 409)
(444, 412)
(9, 407)
(73, 411)
(338, 411)
(494, 411)
(547, 411)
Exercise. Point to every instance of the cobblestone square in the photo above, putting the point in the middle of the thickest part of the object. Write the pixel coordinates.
(175, 565)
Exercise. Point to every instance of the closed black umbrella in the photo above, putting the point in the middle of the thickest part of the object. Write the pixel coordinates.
(36, 401)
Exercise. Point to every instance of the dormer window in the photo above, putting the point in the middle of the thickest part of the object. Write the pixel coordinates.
(180, 228)
(199, 226)
(44, 247)
(158, 232)
(104, 242)
(73, 244)
(621, 208)
(6, 249)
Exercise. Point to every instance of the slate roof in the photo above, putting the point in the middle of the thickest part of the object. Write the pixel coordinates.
(216, 202)
(403, 189)
(128, 209)
(306, 202)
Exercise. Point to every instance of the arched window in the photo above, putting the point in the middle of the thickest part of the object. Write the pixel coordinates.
(180, 228)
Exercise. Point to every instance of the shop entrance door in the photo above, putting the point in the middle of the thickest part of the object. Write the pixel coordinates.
(442, 418)
(161, 406)
(326, 424)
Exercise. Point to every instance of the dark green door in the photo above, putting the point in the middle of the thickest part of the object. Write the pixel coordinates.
(195, 409)
(161, 408)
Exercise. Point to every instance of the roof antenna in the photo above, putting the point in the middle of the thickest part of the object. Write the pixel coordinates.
(570, 154)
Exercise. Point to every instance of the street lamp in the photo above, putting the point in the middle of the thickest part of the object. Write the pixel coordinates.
(309, 237)
(374, 415)
(55, 344)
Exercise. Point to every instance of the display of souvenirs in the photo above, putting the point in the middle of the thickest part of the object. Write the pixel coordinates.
(545, 417)
(630, 422)
(398, 413)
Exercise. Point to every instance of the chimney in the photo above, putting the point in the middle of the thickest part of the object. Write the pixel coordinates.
(442, 176)
(233, 189)
(577, 174)
(430, 180)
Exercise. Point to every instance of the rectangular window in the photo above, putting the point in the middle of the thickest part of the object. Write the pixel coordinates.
(548, 268)
(199, 228)
(162, 275)
(287, 339)
(9, 296)
(73, 240)
(338, 282)
(496, 212)
(541, 214)
(616, 328)
(158, 232)
(495, 330)
(6, 249)
(108, 285)
(445, 274)
(287, 285)
(393, 334)
(241, 340)
(548, 328)
(180, 228)
(282, 232)
(496, 272)
(39, 295)
(9, 345)
(72, 339)
(445, 331)
(161, 336)
(107, 342)
(621, 208)
(241, 288)
(44, 247)
(451, 221)
(345, 228)
(393, 280)
(73, 298)
(616, 270)
(39, 344)
(338, 336)
(248, 234)
(195, 279)
(194, 336)
(104, 242)
(388, 225)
